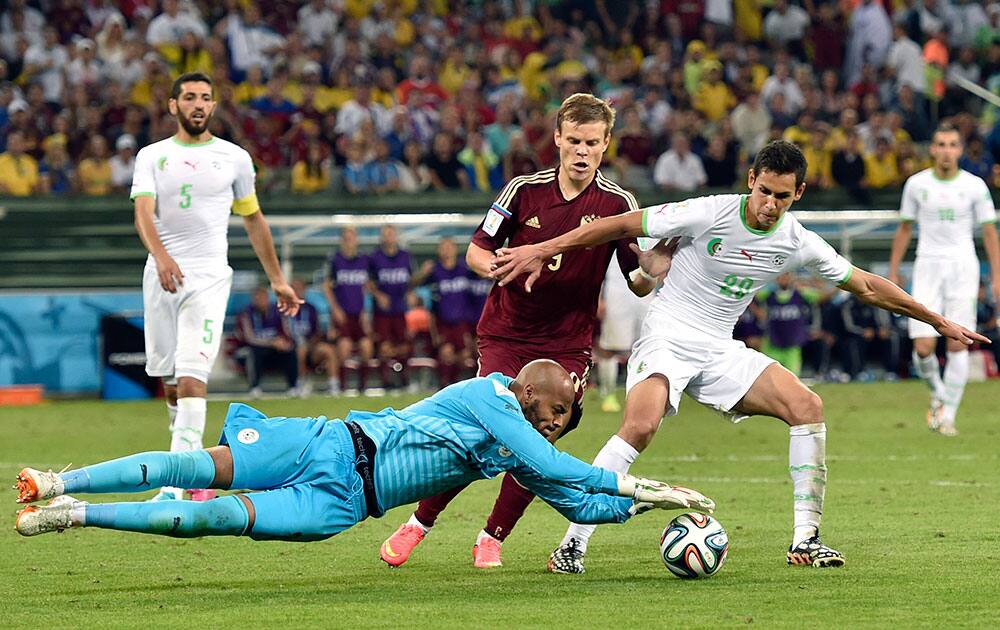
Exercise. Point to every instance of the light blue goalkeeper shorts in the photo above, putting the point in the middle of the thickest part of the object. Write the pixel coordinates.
(305, 468)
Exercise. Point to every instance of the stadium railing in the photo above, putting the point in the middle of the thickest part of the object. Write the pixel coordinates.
(79, 243)
(304, 238)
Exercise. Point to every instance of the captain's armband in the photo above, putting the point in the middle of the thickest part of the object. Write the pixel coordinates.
(247, 205)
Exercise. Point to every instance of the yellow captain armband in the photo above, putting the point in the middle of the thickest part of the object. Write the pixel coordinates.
(246, 206)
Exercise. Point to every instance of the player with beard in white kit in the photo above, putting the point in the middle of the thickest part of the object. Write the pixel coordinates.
(184, 189)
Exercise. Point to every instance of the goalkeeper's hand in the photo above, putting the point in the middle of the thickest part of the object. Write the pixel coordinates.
(662, 495)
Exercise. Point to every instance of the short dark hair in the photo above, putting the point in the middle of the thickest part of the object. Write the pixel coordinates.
(781, 157)
(188, 77)
(947, 126)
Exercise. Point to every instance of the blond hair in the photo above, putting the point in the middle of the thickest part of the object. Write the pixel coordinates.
(581, 108)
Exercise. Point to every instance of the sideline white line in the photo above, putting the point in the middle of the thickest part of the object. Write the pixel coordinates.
(847, 482)
(959, 457)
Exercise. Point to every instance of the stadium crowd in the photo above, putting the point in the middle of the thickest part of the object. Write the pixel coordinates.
(375, 96)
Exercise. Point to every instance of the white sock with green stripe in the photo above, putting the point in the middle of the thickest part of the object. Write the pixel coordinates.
(956, 373)
(616, 456)
(607, 371)
(189, 425)
(929, 370)
(187, 428)
(807, 466)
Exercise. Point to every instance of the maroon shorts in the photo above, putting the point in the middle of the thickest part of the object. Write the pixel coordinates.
(351, 328)
(500, 355)
(390, 328)
(453, 333)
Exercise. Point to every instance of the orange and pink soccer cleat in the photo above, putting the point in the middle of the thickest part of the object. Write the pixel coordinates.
(486, 553)
(397, 548)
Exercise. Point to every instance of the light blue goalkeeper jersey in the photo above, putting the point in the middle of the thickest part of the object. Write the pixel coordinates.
(474, 430)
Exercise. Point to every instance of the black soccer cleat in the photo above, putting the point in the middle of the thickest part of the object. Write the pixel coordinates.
(812, 551)
(567, 558)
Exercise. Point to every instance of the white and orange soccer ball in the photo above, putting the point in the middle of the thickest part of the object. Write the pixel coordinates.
(694, 545)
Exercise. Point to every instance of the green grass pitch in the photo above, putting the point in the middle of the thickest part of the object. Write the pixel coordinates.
(915, 513)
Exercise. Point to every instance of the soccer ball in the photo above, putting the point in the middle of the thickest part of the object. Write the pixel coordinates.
(694, 545)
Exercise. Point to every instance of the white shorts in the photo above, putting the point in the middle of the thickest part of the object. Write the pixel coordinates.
(946, 286)
(715, 372)
(622, 323)
(183, 330)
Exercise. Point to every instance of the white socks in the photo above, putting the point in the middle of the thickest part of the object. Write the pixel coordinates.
(807, 466)
(607, 374)
(172, 414)
(930, 371)
(956, 373)
(189, 425)
(78, 514)
(414, 521)
(616, 456)
(483, 534)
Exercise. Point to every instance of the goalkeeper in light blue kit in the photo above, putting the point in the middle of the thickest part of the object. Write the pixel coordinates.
(314, 478)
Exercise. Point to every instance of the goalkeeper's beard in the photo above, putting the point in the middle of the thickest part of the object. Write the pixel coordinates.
(192, 128)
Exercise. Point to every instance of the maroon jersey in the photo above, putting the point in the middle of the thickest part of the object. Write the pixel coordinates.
(561, 309)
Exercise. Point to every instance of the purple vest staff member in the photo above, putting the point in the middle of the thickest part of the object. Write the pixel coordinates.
(389, 282)
(347, 275)
(448, 278)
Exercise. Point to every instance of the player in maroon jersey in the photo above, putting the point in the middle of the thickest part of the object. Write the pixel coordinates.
(556, 320)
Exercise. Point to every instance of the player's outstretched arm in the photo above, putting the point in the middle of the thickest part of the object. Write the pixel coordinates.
(878, 291)
(169, 273)
(259, 233)
(512, 262)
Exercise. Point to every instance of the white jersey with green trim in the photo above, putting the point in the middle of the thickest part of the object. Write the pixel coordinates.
(947, 211)
(195, 186)
(722, 262)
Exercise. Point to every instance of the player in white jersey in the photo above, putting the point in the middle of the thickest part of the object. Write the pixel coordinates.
(184, 188)
(947, 204)
(730, 247)
(621, 323)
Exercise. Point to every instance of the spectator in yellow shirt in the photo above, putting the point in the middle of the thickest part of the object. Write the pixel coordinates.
(909, 160)
(18, 170)
(801, 132)
(840, 134)
(694, 68)
(155, 76)
(714, 99)
(312, 174)
(252, 87)
(188, 55)
(454, 70)
(94, 171)
(524, 27)
(819, 159)
(881, 167)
